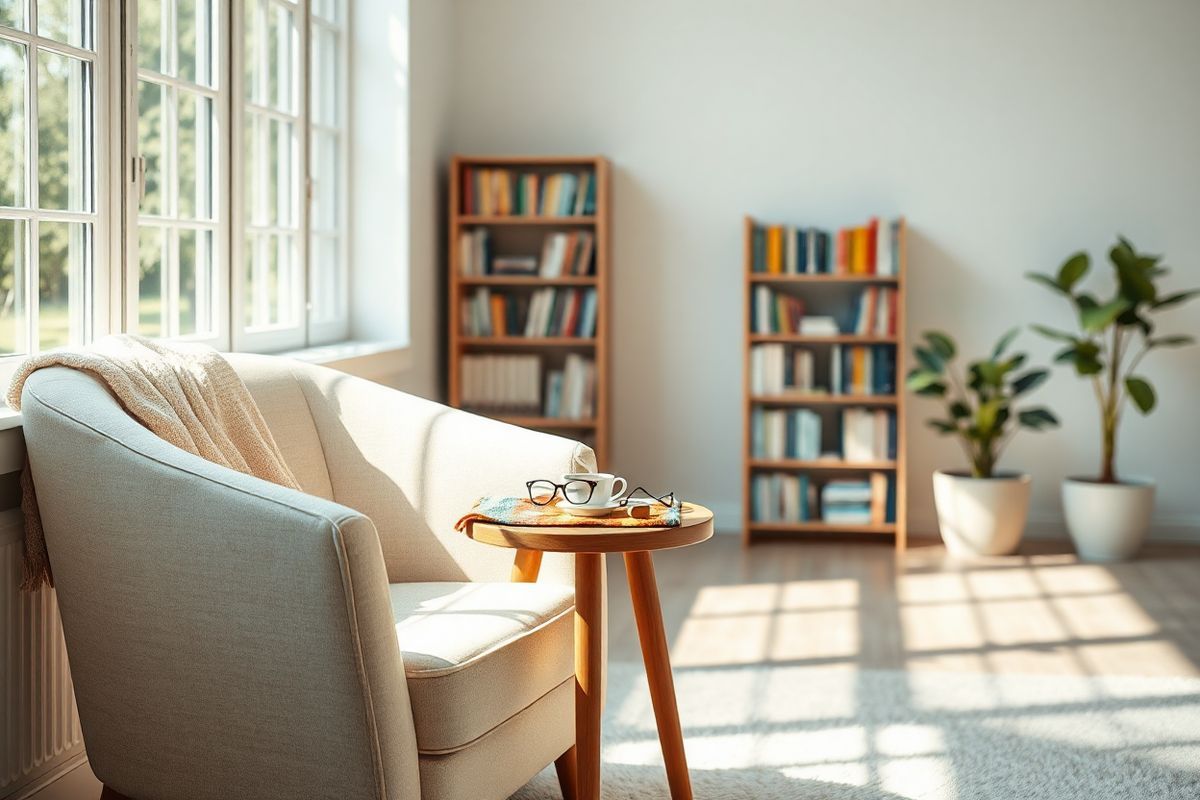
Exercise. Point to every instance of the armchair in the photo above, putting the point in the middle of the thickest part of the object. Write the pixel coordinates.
(233, 638)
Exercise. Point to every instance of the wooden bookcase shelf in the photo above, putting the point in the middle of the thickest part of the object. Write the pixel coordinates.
(526, 229)
(822, 290)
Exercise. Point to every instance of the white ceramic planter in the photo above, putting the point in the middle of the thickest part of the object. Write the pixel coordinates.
(1108, 521)
(981, 516)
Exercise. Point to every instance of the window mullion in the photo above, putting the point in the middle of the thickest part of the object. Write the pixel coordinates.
(33, 262)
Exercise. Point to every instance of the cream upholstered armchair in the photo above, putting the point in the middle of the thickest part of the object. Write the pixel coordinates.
(232, 638)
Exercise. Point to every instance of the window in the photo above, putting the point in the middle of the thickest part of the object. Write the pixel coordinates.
(211, 133)
(180, 262)
(50, 231)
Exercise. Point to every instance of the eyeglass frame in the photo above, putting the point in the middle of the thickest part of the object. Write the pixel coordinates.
(624, 501)
(561, 487)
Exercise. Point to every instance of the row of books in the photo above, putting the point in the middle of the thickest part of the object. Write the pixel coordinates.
(562, 254)
(515, 384)
(779, 433)
(506, 192)
(871, 249)
(779, 369)
(545, 312)
(862, 369)
(788, 497)
(875, 312)
(776, 312)
(867, 435)
(870, 501)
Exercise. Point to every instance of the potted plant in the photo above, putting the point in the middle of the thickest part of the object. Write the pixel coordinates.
(1108, 516)
(981, 512)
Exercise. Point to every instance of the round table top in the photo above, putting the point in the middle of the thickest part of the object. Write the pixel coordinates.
(695, 525)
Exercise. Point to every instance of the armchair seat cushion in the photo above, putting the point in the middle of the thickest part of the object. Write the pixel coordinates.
(477, 654)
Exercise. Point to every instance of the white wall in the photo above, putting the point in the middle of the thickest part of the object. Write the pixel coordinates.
(1010, 134)
(400, 101)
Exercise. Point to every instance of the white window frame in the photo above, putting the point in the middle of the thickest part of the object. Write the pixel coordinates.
(229, 62)
(126, 294)
(91, 286)
(338, 328)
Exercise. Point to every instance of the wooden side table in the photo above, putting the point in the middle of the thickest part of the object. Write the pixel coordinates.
(589, 544)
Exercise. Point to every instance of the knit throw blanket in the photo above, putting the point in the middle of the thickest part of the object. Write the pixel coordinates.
(186, 394)
(522, 511)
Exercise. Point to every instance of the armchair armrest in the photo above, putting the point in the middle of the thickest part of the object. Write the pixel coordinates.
(415, 467)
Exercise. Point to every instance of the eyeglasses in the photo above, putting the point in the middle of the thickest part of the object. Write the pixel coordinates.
(667, 499)
(577, 490)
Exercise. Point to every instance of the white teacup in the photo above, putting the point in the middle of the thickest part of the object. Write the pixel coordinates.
(602, 495)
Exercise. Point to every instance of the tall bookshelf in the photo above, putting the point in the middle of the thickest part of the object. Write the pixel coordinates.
(514, 234)
(825, 294)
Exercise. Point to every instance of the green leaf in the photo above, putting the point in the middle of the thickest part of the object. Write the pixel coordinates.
(1030, 381)
(1084, 355)
(1050, 333)
(932, 390)
(986, 417)
(1014, 363)
(1037, 418)
(1004, 342)
(942, 426)
(918, 379)
(1131, 317)
(1046, 281)
(991, 372)
(1097, 319)
(1072, 270)
(942, 345)
(960, 410)
(1171, 341)
(1142, 393)
(1084, 301)
(1176, 299)
(929, 360)
(1136, 286)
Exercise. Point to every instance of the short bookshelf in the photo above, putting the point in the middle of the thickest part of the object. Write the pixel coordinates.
(824, 451)
(529, 271)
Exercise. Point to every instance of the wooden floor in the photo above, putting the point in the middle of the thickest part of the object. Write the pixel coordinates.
(860, 606)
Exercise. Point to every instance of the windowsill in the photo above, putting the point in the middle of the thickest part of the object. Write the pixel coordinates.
(365, 359)
(9, 418)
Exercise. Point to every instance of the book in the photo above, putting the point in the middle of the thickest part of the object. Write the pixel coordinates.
(506, 192)
(868, 435)
(781, 497)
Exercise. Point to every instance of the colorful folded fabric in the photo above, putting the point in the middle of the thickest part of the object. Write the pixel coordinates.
(521, 511)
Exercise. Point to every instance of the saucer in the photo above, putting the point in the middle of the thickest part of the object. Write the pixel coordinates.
(588, 511)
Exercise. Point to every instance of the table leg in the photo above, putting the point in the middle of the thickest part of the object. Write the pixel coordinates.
(589, 672)
(643, 591)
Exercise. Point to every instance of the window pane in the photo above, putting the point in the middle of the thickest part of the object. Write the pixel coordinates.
(152, 248)
(63, 253)
(326, 77)
(195, 116)
(270, 279)
(150, 35)
(12, 124)
(282, 168)
(325, 284)
(151, 128)
(328, 10)
(13, 276)
(194, 35)
(64, 132)
(12, 14)
(282, 64)
(325, 172)
(252, 31)
(195, 282)
(67, 21)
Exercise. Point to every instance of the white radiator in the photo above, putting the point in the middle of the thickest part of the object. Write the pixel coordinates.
(40, 737)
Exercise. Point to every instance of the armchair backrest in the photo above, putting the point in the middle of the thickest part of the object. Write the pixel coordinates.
(413, 466)
(214, 621)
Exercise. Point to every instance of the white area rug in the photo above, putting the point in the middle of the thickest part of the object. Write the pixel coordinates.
(840, 734)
